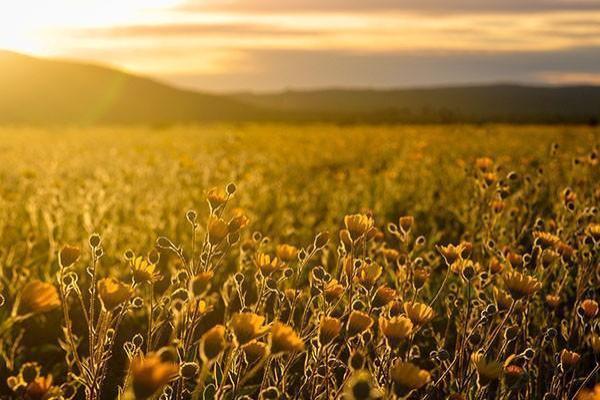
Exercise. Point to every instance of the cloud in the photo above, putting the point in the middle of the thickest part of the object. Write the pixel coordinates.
(276, 70)
(425, 6)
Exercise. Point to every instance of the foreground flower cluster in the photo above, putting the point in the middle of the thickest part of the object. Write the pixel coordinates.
(370, 310)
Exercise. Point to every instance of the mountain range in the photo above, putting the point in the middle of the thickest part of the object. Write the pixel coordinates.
(46, 91)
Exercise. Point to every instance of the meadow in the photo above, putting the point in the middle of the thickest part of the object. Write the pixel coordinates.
(281, 261)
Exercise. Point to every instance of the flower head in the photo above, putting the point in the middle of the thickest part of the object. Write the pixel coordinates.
(419, 313)
(38, 297)
(358, 225)
(216, 197)
(68, 255)
(329, 329)
(266, 264)
(487, 370)
(143, 271)
(254, 351)
(368, 274)
(383, 296)
(286, 252)
(358, 322)
(407, 376)
(520, 285)
(212, 343)
(589, 308)
(113, 293)
(284, 339)
(149, 374)
(395, 329)
(218, 230)
(247, 326)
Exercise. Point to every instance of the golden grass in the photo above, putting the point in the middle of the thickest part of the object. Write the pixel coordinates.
(301, 279)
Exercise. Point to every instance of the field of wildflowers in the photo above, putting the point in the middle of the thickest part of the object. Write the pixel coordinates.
(300, 262)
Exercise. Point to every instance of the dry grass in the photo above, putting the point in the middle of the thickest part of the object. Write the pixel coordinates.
(367, 262)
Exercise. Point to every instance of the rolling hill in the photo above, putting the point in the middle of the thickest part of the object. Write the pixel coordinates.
(35, 90)
(44, 91)
(492, 103)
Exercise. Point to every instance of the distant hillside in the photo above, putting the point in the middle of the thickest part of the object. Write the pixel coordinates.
(42, 91)
(34, 90)
(494, 103)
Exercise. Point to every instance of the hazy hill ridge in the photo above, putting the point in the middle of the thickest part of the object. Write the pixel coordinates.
(35, 90)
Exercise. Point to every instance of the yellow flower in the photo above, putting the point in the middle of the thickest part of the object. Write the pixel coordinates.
(143, 271)
(406, 223)
(546, 239)
(503, 299)
(37, 297)
(218, 230)
(395, 329)
(407, 377)
(383, 296)
(590, 394)
(68, 255)
(254, 351)
(589, 308)
(420, 277)
(569, 358)
(284, 339)
(390, 255)
(239, 221)
(266, 264)
(451, 253)
(200, 282)
(553, 300)
(150, 374)
(594, 231)
(418, 313)
(358, 225)
(41, 389)
(247, 326)
(329, 329)
(358, 322)
(212, 343)
(520, 285)
(368, 274)
(484, 164)
(113, 293)
(286, 253)
(216, 198)
(333, 290)
(487, 370)
(361, 386)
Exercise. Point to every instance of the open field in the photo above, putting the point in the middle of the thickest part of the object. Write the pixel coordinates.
(361, 302)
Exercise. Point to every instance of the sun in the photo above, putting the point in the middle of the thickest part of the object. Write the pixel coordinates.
(27, 25)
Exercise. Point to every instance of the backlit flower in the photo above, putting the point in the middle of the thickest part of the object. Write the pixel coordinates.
(266, 264)
(143, 271)
(329, 329)
(284, 339)
(418, 313)
(212, 343)
(38, 297)
(487, 370)
(247, 326)
(113, 293)
(520, 285)
(286, 252)
(150, 374)
(395, 329)
(358, 322)
(407, 377)
(358, 225)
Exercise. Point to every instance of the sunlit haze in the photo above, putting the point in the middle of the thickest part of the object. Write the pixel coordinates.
(225, 45)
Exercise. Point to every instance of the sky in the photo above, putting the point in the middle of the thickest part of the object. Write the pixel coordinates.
(272, 45)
